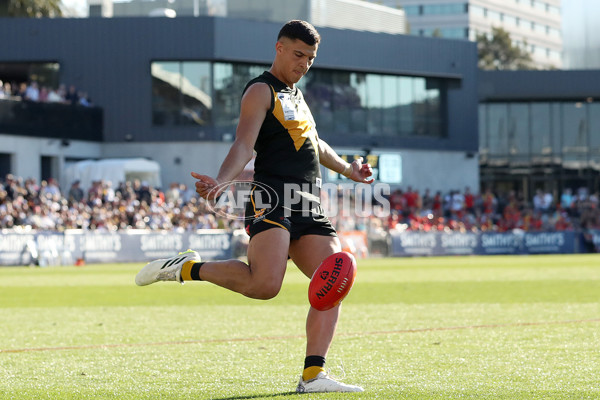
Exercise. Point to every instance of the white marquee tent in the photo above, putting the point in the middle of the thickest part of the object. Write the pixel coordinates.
(115, 170)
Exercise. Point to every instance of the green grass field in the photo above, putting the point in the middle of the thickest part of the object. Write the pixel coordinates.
(522, 327)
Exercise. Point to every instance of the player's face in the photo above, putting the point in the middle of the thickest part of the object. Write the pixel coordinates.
(296, 58)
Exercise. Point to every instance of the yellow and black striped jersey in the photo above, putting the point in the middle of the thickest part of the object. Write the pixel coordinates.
(287, 145)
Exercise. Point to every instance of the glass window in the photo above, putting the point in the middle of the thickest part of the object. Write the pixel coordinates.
(358, 83)
(318, 93)
(476, 11)
(195, 90)
(201, 93)
(484, 147)
(181, 93)
(391, 104)
(539, 6)
(541, 29)
(434, 107)
(455, 33)
(411, 10)
(510, 20)
(166, 93)
(518, 129)
(344, 101)
(445, 9)
(229, 83)
(46, 74)
(406, 115)
(553, 10)
(420, 106)
(498, 139)
(594, 115)
(574, 145)
(541, 134)
(556, 126)
(494, 16)
(374, 104)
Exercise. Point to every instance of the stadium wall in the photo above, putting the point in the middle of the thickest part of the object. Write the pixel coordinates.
(78, 246)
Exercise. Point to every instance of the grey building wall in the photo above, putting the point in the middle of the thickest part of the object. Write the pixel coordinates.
(110, 59)
(539, 85)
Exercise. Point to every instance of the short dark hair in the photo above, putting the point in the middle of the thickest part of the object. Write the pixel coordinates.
(302, 30)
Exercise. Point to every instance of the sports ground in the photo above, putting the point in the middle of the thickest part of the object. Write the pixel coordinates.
(519, 327)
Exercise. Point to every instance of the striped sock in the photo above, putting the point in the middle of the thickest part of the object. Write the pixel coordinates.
(191, 271)
(312, 366)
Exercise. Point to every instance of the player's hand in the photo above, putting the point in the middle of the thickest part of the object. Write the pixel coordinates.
(361, 172)
(207, 187)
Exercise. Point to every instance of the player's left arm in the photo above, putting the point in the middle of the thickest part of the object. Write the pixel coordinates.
(357, 171)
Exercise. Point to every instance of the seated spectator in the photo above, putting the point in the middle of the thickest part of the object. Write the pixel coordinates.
(84, 99)
(21, 91)
(6, 90)
(32, 92)
(72, 97)
(55, 97)
(43, 94)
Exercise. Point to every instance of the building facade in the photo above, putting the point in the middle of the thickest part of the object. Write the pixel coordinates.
(342, 14)
(540, 130)
(535, 25)
(169, 90)
(581, 34)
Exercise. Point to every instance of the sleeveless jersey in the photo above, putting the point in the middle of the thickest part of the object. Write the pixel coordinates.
(287, 145)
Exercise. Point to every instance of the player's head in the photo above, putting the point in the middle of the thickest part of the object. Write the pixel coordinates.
(296, 49)
(300, 30)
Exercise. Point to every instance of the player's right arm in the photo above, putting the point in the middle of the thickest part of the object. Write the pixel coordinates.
(254, 106)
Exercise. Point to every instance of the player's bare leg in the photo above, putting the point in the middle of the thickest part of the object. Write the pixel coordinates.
(307, 253)
(262, 277)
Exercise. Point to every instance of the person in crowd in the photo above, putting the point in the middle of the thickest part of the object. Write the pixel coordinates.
(54, 96)
(32, 92)
(84, 99)
(6, 90)
(21, 91)
(75, 192)
(43, 94)
(72, 96)
(18, 194)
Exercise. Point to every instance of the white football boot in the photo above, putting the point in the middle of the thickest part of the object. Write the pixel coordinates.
(323, 383)
(165, 269)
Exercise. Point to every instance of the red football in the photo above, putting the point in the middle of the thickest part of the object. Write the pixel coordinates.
(332, 281)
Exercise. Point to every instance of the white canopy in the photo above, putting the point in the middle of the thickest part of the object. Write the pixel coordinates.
(114, 170)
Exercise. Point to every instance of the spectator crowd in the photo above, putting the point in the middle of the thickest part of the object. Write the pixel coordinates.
(32, 91)
(131, 205)
(136, 205)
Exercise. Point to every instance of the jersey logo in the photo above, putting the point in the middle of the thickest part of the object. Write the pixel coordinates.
(296, 118)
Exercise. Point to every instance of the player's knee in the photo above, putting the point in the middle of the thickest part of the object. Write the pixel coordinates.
(263, 290)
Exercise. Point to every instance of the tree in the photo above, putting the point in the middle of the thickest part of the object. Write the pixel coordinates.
(30, 8)
(498, 52)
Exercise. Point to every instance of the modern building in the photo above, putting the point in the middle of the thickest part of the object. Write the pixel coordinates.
(168, 89)
(342, 14)
(581, 34)
(539, 130)
(533, 24)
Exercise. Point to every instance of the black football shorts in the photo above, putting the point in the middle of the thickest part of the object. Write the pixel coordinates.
(298, 223)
